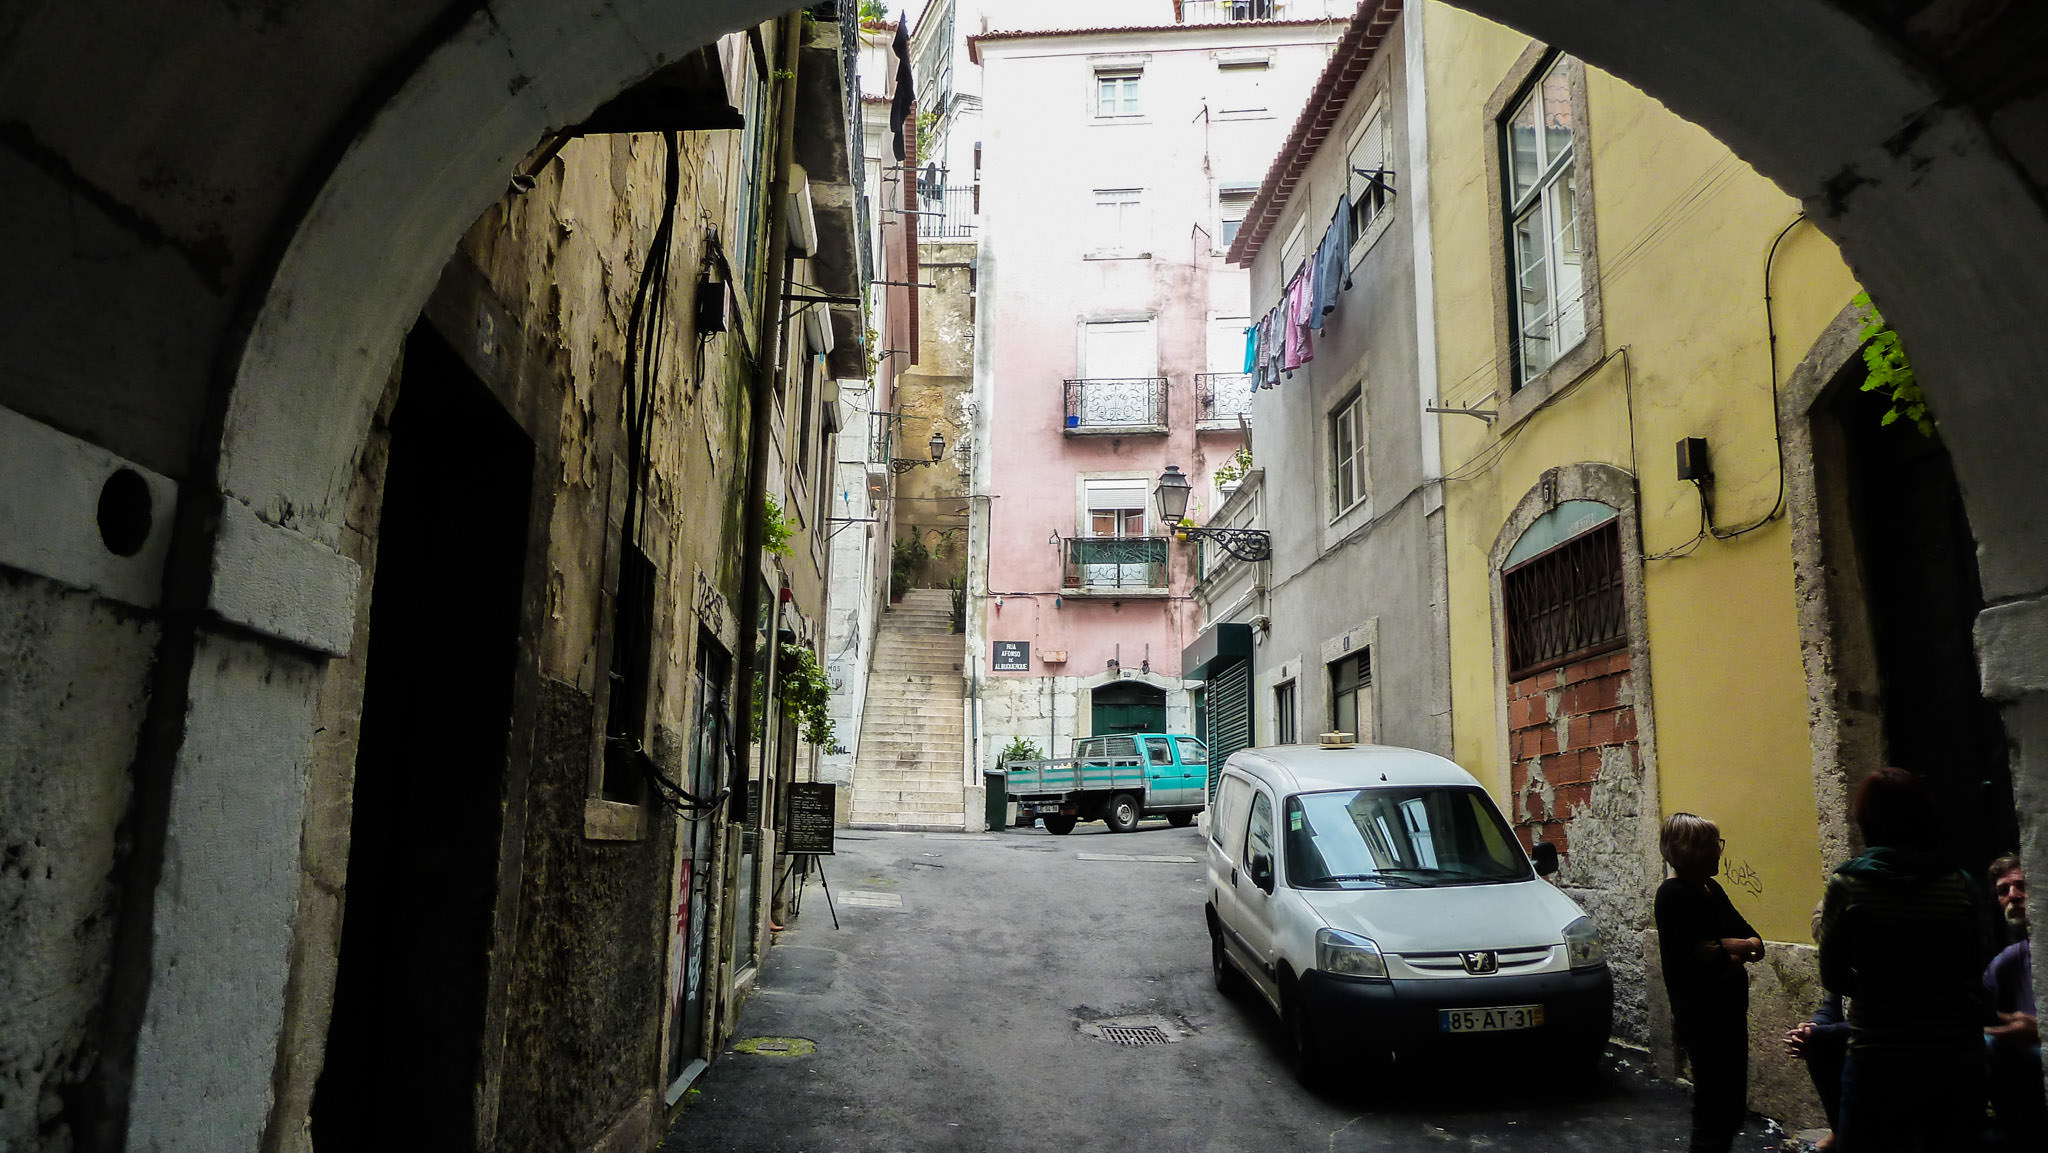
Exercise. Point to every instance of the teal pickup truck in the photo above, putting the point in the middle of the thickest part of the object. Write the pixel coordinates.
(1115, 779)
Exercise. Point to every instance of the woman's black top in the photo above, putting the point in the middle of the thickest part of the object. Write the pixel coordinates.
(1705, 985)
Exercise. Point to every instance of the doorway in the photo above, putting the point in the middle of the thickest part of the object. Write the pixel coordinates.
(1920, 597)
(404, 1041)
(1127, 707)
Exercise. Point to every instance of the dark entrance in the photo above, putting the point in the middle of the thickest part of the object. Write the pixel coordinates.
(1920, 599)
(402, 1049)
(1127, 707)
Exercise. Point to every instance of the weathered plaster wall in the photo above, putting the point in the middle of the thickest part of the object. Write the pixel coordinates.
(73, 684)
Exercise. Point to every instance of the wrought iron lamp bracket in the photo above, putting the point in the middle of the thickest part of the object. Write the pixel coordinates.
(1246, 544)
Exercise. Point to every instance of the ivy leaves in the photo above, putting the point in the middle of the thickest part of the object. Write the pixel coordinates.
(1889, 372)
(805, 693)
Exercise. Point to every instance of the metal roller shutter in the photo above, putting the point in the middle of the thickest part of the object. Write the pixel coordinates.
(1230, 716)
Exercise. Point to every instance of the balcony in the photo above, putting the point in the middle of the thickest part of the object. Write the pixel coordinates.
(1230, 11)
(947, 213)
(1116, 406)
(1221, 398)
(1129, 565)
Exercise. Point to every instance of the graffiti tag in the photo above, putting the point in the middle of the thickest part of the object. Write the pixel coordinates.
(1742, 876)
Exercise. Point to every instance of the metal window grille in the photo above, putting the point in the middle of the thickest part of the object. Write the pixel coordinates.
(1105, 563)
(1565, 603)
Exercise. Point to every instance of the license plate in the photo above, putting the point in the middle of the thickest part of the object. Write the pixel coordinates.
(1044, 807)
(1497, 1019)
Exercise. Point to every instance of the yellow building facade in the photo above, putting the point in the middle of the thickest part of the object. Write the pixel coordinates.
(1608, 281)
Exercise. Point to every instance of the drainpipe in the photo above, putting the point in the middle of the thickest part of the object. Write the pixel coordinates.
(760, 399)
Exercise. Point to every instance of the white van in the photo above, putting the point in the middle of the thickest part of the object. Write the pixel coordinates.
(1379, 903)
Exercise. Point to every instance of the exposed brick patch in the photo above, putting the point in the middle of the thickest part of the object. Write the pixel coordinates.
(1564, 724)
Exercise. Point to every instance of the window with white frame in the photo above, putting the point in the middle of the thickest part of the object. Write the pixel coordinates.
(1115, 510)
(1347, 453)
(1293, 248)
(1366, 170)
(1241, 85)
(1546, 286)
(1119, 219)
(1232, 203)
(1116, 92)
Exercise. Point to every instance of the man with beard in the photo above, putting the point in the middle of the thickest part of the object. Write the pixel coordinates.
(2015, 1040)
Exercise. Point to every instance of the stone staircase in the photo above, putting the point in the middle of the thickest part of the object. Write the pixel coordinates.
(912, 735)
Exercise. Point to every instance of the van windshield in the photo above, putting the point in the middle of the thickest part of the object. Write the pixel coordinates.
(1399, 837)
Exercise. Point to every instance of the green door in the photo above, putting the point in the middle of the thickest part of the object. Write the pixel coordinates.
(1128, 707)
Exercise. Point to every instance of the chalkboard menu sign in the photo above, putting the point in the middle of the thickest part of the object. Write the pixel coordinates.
(811, 807)
(1013, 656)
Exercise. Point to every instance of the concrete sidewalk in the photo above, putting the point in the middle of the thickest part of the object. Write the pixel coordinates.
(967, 1001)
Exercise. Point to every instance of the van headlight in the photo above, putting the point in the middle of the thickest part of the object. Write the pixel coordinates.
(1348, 954)
(1582, 944)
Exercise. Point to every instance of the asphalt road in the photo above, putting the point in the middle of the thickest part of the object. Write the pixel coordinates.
(962, 1001)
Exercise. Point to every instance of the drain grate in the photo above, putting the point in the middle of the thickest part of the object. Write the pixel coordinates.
(1134, 1035)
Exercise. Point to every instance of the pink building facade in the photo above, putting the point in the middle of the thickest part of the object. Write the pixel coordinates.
(1116, 164)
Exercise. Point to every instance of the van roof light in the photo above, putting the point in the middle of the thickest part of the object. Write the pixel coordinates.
(1338, 741)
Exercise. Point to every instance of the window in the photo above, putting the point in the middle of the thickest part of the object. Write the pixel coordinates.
(1258, 832)
(1546, 282)
(1231, 206)
(1350, 695)
(1241, 86)
(1366, 171)
(1119, 219)
(1192, 751)
(1116, 93)
(1226, 825)
(1399, 837)
(1565, 603)
(1291, 250)
(1113, 551)
(1347, 454)
(1285, 727)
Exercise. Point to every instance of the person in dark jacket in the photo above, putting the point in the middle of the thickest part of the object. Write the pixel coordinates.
(1905, 936)
(1822, 1042)
(1703, 943)
(2012, 1038)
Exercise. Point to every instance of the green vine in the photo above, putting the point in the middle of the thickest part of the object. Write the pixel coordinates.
(1890, 372)
(873, 12)
(1236, 468)
(805, 693)
(776, 531)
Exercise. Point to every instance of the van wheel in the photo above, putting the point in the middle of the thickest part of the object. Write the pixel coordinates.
(1304, 1039)
(1122, 814)
(1180, 820)
(1229, 981)
(1059, 825)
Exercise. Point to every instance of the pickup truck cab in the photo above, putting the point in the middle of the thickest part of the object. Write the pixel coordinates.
(1377, 901)
(1116, 779)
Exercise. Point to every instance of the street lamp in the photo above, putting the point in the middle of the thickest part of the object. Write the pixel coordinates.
(1248, 544)
(937, 447)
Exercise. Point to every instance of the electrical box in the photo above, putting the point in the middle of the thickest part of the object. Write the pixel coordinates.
(1692, 459)
(713, 298)
(1053, 656)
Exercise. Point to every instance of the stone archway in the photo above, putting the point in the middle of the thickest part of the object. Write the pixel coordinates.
(361, 259)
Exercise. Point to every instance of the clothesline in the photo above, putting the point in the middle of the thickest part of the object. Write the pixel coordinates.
(1281, 341)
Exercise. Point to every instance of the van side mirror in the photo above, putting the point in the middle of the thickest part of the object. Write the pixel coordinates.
(1261, 871)
(1544, 857)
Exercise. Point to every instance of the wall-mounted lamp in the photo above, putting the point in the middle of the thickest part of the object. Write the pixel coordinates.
(936, 446)
(1247, 544)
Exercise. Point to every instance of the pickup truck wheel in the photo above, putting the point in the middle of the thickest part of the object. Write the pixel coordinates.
(1122, 814)
(1059, 824)
(1180, 820)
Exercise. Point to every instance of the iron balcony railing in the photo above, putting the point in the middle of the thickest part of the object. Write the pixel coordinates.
(947, 213)
(1116, 404)
(1095, 563)
(1222, 397)
(1231, 11)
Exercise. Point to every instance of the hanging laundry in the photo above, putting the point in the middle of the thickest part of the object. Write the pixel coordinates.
(1299, 348)
(1251, 347)
(1333, 262)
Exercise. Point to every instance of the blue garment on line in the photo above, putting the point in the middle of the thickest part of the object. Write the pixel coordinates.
(1332, 264)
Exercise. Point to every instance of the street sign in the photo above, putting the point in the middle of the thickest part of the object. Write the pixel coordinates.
(811, 809)
(1013, 657)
